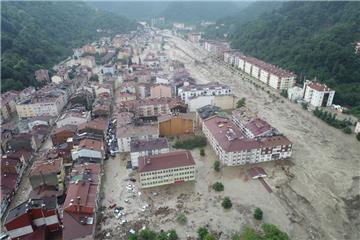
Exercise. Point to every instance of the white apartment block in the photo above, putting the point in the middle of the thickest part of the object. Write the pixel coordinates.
(167, 168)
(210, 89)
(269, 74)
(234, 148)
(317, 94)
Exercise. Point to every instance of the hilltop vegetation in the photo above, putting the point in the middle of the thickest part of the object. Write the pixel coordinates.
(39, 34)
(313, 39)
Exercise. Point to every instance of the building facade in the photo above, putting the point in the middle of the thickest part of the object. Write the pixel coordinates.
(166, 168)
(317, 94)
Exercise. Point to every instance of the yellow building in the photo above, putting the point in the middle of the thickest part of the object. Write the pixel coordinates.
(175, 125)
(166, 168)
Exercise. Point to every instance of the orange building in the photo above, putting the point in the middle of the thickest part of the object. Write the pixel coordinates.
(175, 125)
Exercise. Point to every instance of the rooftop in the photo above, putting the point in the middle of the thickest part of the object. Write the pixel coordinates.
(46, 167)
(134, 131)
(152, 144)
(80, 193)
(91, 144)
(231, 139)
(319, 87)
(166, 161)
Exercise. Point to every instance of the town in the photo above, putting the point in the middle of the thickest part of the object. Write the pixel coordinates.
(125, 135)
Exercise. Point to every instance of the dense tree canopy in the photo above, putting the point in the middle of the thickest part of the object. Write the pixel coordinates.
(313, 39)
(39, 34)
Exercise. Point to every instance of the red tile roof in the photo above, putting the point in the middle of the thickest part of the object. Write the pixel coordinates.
(165, 161)
(91, 144)
(81, 193)
(319, 87)
(46, 167)
(231, 139)
(74, 229)
(258, 126)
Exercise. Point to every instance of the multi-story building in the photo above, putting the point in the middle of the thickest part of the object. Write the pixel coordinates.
(234, 148)
(61, 135)
(357, 127)
(141, 148)
(160, 90)
(128, 133)
(155, 106)
(166, 168)
(251, 125)
(48, 101)
(194, 37)
(269, 74)
(33, 219)
(73, 117)
(216, 47)
(172, 125)
(317, 94)
(223, 101)
(210, 89)
(89, 150)
(47, 173)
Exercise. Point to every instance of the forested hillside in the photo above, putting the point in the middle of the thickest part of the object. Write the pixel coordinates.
(191, 12)
(313, 39)
(39, 34)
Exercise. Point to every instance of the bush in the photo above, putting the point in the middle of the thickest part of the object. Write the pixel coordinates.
(258, 214)
(347, 130)
(358, 136)
(172, 235)
(202, 152)
(181, 218)
(209, 236)
(227, 204)
(217, 166)
(249, 234)
(146, 235)
(272, 232)
(218, 186)
(202, 233)
(197, 141)
(241, 103)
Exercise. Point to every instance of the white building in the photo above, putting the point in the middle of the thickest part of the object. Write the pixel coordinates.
(357, 127)
(225, 102)
(128, 133)
(211, 89)
(235, 148)
(317, 94)
(142, 148)
(295, 93)
(56, 79)
(166, 168)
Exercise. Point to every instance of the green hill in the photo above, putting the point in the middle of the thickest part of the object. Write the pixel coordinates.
(39, 34)
(313, 39)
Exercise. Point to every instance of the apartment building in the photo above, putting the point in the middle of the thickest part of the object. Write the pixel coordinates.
(155, 106)
(269, 74)
(47, 173)
(48, 101)
(172, 125)
(251, 125)
(160, 90)
(89, 150)
(128, 133)
(223, 101)
(234, 148)
(210, 89)
(141, 148)
(166, 168)
(73, 117)
(317, 94)
(33, 219)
